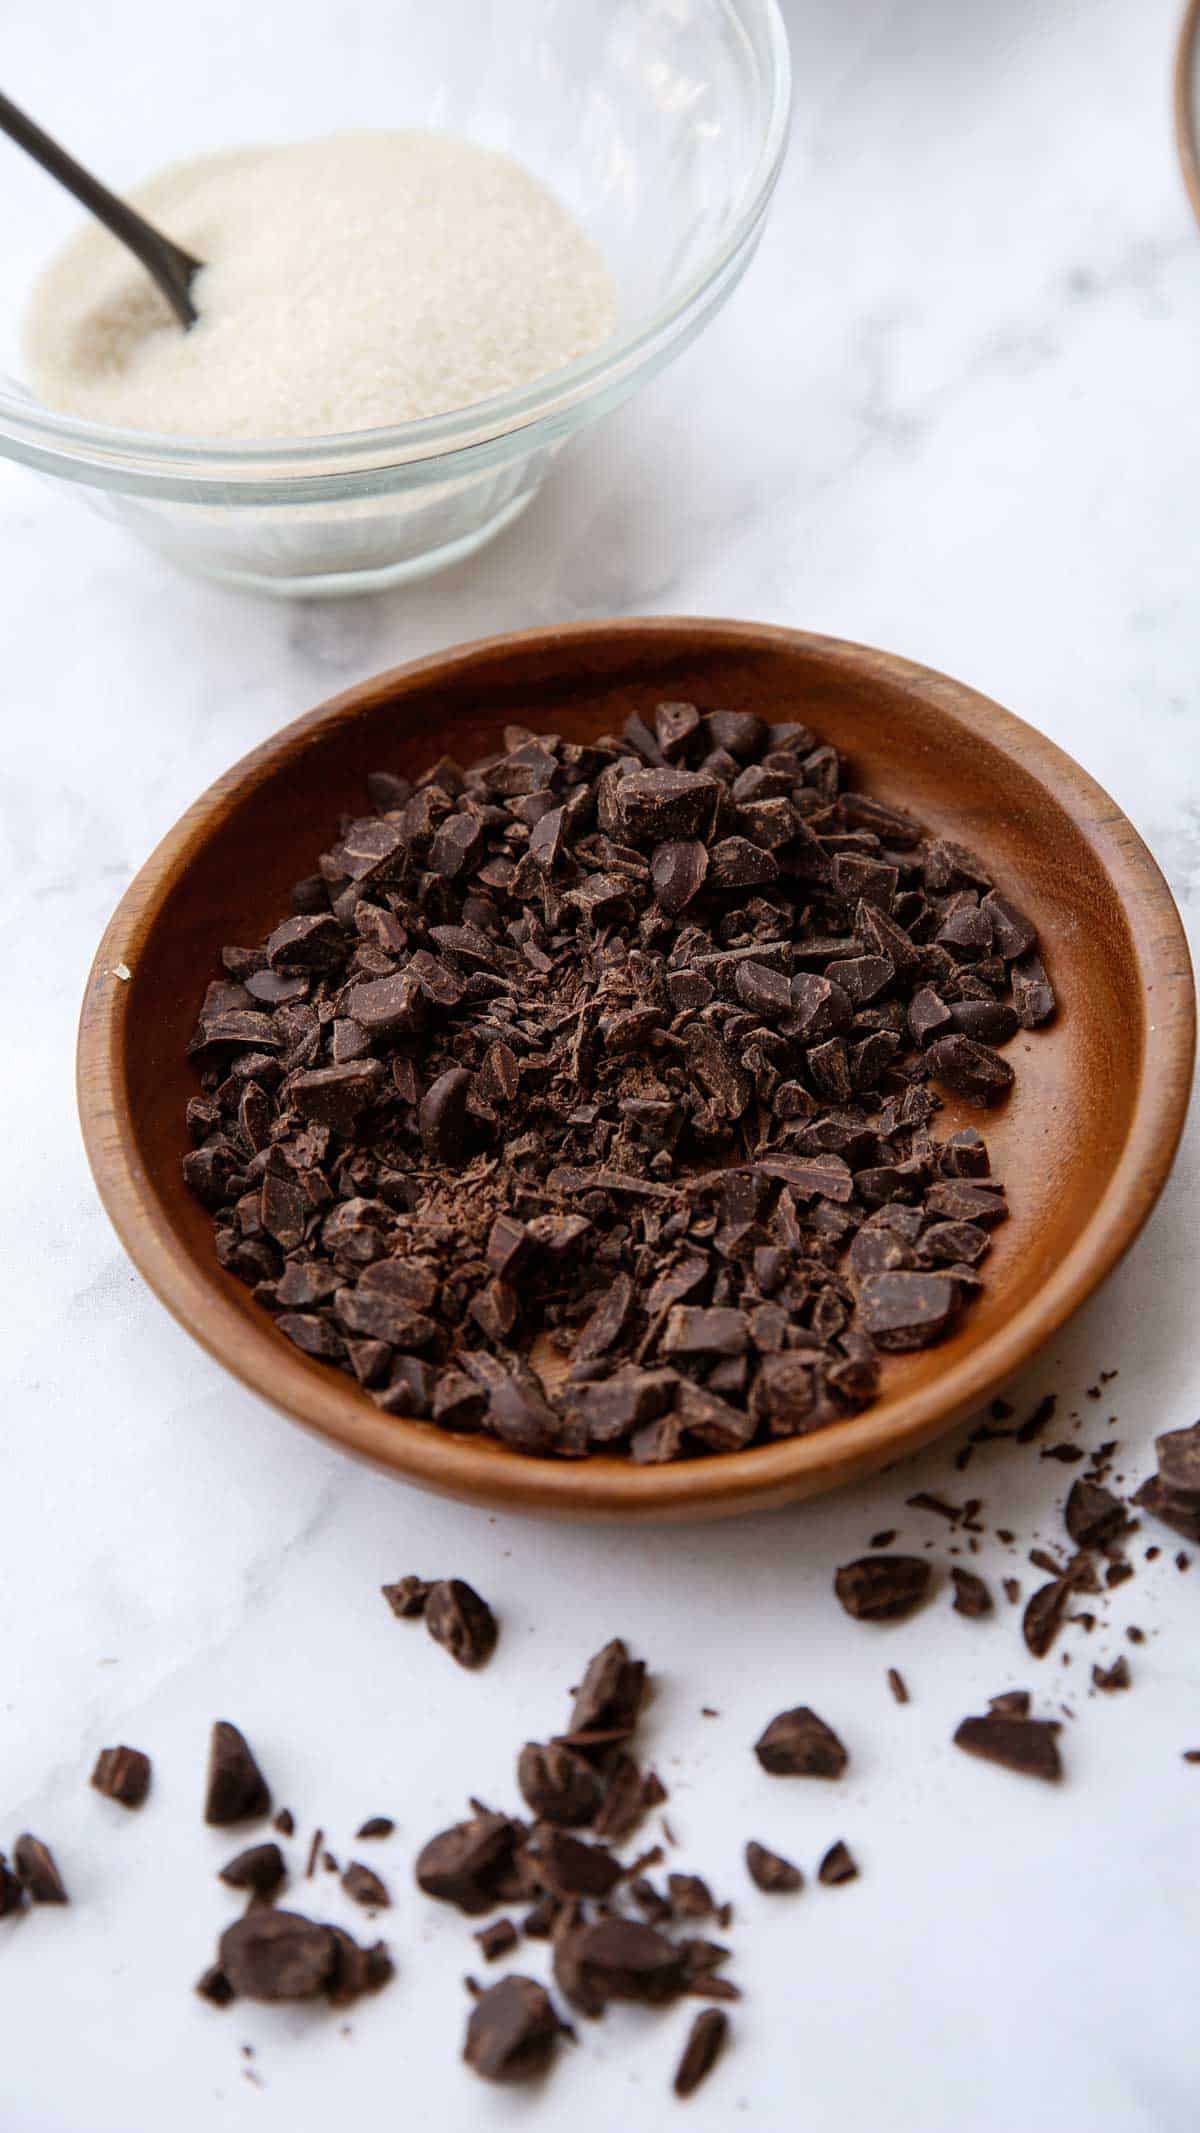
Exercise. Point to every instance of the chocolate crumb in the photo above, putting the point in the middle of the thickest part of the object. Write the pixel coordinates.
(837, 1866)
(772, 1873)
(122, 1774)
(1116, 1676)
(799, 1744)
(236, 1790)
(260, 1868)
(376, 1826)
(37, 1872)
(364, 1886)
(971, 1595)
(407, 1596)
(706, 2041)
(498, 1939)
(285, 1822)
(897, 1684)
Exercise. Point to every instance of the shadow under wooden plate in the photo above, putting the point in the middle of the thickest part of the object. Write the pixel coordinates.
(1084, 1144)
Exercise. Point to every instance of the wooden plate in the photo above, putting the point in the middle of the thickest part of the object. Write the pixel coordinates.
(1084, 1144)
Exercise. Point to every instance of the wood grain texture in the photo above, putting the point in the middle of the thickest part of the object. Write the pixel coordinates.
(1085, 1143)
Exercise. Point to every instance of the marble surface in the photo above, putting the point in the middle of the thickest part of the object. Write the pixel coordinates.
(952, 412)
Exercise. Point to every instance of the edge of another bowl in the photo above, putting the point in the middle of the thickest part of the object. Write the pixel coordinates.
(1186, 140)
(715, 1485)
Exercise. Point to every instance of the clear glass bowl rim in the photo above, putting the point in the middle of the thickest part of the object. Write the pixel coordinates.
(102, 453)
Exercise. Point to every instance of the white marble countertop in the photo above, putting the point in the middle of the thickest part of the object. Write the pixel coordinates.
(952, 412)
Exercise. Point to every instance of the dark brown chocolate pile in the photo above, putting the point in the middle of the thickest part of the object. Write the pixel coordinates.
(608, 1923)
(619, 1058)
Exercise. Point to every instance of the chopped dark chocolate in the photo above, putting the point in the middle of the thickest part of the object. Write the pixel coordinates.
(771, 1872)
(1043, 1615)
(468, 1865)
(512, 2031)
(617, 1959)
(461, 1622)
(897, 1685)
(558, 1784)
(837, 1866)
(407, 1596)
(363, 1885)
(1093, 1515)
(621, 1051)
(706, 2041)
(500, 1938)
(236, 1789)
(278, 1955)
(971, 1595)
(260, 1868)
(1116, 1676)
(122, 1774)
(37, 1872)
(883, 1588)
(1027, 1745)
(799, 1744)
(376, 1826)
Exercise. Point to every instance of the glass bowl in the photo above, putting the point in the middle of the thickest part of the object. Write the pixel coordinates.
(660, 123)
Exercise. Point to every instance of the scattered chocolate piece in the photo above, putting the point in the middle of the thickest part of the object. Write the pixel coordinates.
(706, 2041)
(37, 1872)
(364, 1886)
(407, 1596)
(1015, 1741)
(461, 1622)
(1116, 1676)
(558, 1784)
(883, 1588)
(1191, 1755)
(1135, 1635)
(884, 1539)
(469, 1864)
(772, 1873)
(1117, 1574)
(122, 1774)
(925, 1501)
(626, 1048)
(375, 1826)
(617, 1959)
(1043, 1616)
(568, 1867)
(837, 1866)
(12, 1895)
(1030, 1430)
(285, 1822)
(278, 1955)
(314, 1853)
(498, 1939)
(971, 1595)
(897, 1684)
(260, 1868)
(799, 1744)
(1012, 1590)
(1093, 1515)
(512, 2031)
(236, 1789)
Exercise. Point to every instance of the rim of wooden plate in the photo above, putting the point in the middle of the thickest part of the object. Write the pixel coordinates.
(715, 1485)
(1185, 103)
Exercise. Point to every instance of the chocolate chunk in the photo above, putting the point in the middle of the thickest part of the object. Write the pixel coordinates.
(558, 1785)
(1012, 932)
(706, 2041)
(285, 1822)
(1027, 1745)
(215, 1986)
(1033, 994)
(442, 1116)
(693, 1331)
(277, 1955)
(236, 1789)
(903, 1311)
(971, 1595)
(1179, 1461)
(467, 1865)
(1116, 1676)
(461, 1622)
(896, 1684)
(1093, 1515)
(617, 1959)
(837, 1866)
(1181, 1513)
(677, 871)
(799, 1744)
(364, 1886)
(568, 1867)
(122, 1774)
(772, 1873)
(407, 1597)
(1043, 1616)
(512, 2031)
(971, 1070)
(497, 1940)
(336, 1095)
(307, 944)
(883, 1588)
(37, 1872)
(260, 1868)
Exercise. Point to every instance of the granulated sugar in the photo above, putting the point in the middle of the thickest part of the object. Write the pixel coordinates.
(361, 280)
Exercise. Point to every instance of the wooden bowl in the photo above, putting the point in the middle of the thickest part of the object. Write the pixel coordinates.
(1187, 101)
(1084, 1144)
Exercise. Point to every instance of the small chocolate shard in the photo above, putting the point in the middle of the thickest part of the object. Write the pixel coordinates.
(36, 1870)
(363, 1885)
(407, 1597)
(468, 1864)
(236, 1789)
(972, 1070)
(1043, 1616)
(617, 1959)
(706, 2041)
(569, 1868)
(883, 1588)
(799, 1744)
(461, 1622)
(560, 1785)
(375, 1826)
(122, 1774)
(905, 1311)
(1093, 1515)
(498, 1939)
(512, 2031)
(1116, 1676)
(260, 1868)
(896, 1684)
(837, 1866)
(1026, 1745)
(971, 1595)
(771, 1872)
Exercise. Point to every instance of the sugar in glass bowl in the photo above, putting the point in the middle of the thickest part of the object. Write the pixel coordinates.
(661, 125)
